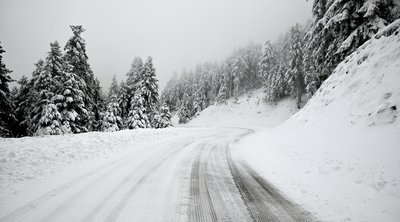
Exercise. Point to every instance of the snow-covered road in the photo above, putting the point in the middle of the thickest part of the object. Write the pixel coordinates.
(190, 178)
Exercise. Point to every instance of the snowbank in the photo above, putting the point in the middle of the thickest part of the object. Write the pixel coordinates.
(249, 110)
(28, 159)
(339, 156)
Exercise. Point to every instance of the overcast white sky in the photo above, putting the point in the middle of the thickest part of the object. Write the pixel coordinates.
(176, 33)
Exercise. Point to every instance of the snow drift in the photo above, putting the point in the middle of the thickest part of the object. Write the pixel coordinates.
(339, 156)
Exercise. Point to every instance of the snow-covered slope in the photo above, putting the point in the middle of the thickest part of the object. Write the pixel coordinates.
(249, 110)
(339, 156)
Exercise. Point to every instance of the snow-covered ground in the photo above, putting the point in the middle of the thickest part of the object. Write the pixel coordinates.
(339, 156)
(250, 110)
(28, 160)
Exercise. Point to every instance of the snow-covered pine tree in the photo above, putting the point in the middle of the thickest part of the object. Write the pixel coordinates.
(184, 113)
(339, 27)
(163, 118)
(149, 86)
(70, 101)
(123, 100)
(149, 89)
(269, 71)
(77, 60)
(170, 92)
(46, 120)
(295, 73)
(236, 79)
(21, 105)
(50, 122)
(137, 117)
(134, 76)
(97, 108)
(7, 116)
(111, 120)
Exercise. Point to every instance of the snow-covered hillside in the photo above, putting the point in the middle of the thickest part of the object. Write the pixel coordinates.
(249, 110)
(339, 156)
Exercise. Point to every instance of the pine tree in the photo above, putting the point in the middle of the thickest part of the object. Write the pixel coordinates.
(137, 117)
(236, 79)
(97, 108)
(269, 71)
(112, 120)
(295, 74)
(70, 102)
(77, 60)
(20, 101)
(7, 116)
(123, 100)
(184, 113)
(45, 116)
(339, 27)
(149, 86)
(163, 118)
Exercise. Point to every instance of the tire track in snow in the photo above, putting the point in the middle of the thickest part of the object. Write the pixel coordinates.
(202, 207)
(263, 201)
(32, 205)
(119, 207)
(48, 196)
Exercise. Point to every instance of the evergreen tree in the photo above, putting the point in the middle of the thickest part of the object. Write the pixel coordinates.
(77, 60)
(134, 77)
(295, 74)
(269, 71)
(112, 120)
(21, 102)
(45, 116)
(123, 100)
(184, 113)
(137, 117)
(70, 102)
(163, 118)
(339, 27)
(7, 116)
(149, 86)
(236, 79)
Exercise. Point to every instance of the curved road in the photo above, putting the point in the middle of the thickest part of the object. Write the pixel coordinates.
(197, 178)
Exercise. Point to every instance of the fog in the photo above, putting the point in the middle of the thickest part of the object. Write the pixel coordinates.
(178, 34)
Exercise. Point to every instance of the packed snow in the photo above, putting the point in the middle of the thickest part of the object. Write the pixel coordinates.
(28, 160)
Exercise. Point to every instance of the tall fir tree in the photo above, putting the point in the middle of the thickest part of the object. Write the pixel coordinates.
(7, 116)
(21, 103)
(112, 120)
(46, 120)
(77, 61)
(149, 85)
(295, 73)
(149, 89)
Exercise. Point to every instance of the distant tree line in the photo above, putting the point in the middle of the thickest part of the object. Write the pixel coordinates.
(63, 96)
(295, 65)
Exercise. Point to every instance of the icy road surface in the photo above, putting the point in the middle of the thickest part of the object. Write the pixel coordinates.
(191, 178)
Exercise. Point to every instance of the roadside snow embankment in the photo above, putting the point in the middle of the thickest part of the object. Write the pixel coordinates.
(28, 159)
(249, 110)
(340, 155)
